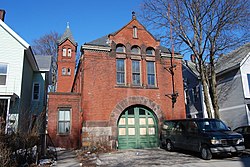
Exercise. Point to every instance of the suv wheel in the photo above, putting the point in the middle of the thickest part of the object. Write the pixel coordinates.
(206, 153)
(169, 146)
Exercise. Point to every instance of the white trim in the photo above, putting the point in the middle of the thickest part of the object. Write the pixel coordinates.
(14, 35)
(168, 55)
(92, 47)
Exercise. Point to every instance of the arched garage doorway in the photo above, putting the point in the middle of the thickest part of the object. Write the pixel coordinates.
(137, 128)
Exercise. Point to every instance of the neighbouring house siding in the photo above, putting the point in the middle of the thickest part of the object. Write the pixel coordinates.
(12, 53)
(231, 98)
(26, 94)
(37, 106)
(245, 70)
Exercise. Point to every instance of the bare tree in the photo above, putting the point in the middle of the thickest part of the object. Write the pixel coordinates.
(204, 28)
(47, 45)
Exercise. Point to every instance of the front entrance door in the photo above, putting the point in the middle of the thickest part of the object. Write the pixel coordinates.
(137, 128)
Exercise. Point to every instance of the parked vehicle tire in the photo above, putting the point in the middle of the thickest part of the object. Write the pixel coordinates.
(169, 146)
(206, 153)
(237, 154)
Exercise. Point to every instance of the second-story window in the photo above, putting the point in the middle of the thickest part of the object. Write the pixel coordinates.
(120, 71)
(136, 74)
(3, 73)
(64, 51)
(150, 52)
(151, 73)
(36, 91)
(135, 35)
(69, 52)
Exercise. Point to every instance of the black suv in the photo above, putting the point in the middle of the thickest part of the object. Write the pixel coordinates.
(207, 136)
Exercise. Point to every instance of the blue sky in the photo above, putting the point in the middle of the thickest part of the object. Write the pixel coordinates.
(89, 19)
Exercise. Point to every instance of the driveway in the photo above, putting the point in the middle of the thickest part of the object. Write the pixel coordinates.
(160, 157)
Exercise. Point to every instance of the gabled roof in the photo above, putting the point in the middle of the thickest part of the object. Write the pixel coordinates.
(191, 66)
(233, 59)
(67, 35)
(14, 35)
(43, 62)
(25, 45)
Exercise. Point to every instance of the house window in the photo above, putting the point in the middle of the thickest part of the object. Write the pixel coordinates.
(135, 50)
(120, 48)
(64, 52)
(69, 52)
(3, 74)
(135, 32)
(248, 79)
(64, 121)
(36, 91)
(150, 52)
(63, 71)
(120, 71)
(151, 73)
(68, 71)
(136, 72)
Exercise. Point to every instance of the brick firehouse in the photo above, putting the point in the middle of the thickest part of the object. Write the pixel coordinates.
(124, 86)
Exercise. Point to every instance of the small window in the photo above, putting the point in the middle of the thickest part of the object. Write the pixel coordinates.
(63, 71)
(69, 52)
(36, 91)
(120, 71)
(120, 48)
(135, 32)
(248, 79)
(64, 121)
(3, 74)
(68, 71)
(150, 52)
(135, 50)
(136, 74)
(151, 73)
(64, 52)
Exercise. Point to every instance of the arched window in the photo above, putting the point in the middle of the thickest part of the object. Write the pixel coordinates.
(68, 71)
(120, 48)
(150, 51)
(69, 52)
(135, 35)
(63, 71)
(64, 51)
(135, 50)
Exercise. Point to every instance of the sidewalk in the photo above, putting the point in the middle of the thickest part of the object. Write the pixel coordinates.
(67, 158)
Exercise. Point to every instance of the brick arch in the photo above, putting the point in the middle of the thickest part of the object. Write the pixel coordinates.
(129, 101)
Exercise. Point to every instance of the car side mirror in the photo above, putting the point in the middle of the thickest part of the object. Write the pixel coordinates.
(229, 128)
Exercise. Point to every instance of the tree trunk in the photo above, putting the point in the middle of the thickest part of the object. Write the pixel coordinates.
(213, 88)
(205, 89)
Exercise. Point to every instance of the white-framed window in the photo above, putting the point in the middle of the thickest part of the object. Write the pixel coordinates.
(64, 120)
(63, 71)
(69, 52)
(120, 48)
(3, 73)
(136, 72)
(135, 50)
(248, 79)
(151, 73)
(135, 32)
(68, 71)
(36, 91)
(64, 51)
(120, 71)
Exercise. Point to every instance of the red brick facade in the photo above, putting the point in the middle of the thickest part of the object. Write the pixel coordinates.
(102, 100)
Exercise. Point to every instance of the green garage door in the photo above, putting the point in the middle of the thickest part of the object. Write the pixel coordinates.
(137, 128)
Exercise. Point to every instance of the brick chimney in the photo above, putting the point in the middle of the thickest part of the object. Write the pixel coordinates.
(2, 14)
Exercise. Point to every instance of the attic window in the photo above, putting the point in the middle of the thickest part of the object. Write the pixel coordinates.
(135, 35)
